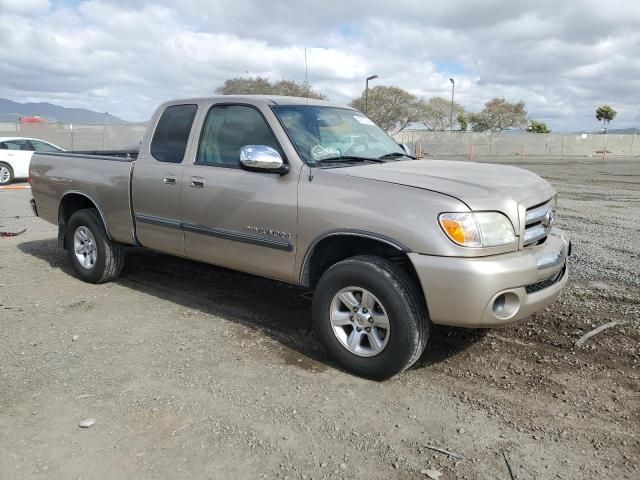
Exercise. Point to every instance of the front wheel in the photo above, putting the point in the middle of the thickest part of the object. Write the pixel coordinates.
(370, 316)
(95, 257)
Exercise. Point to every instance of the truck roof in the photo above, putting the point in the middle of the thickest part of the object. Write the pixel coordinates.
(268, 99)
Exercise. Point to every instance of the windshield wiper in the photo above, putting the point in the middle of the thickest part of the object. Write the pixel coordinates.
(396, 155)
(348, 158)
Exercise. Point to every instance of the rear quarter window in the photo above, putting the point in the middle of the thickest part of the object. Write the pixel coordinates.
(170, 138)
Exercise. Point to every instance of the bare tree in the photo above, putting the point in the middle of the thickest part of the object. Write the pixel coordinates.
(498, 114)
(263, 86)
(435, 113)
(392, 108)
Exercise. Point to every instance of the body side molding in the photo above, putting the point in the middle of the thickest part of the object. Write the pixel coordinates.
(217, 232)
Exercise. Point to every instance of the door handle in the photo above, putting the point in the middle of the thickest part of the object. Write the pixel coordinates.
(169, 180)
(197, 182)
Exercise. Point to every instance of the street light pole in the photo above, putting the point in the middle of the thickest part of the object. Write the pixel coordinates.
(366, 93)
(453, 87)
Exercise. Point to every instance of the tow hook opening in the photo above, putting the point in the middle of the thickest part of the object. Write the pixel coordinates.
(506, 305)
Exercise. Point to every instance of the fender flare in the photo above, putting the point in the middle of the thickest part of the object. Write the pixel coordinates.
(303, 277)
(61, 223)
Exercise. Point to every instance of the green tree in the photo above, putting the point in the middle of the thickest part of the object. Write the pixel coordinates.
(498, 114)
(435, 113)
(463, 122)
(605, 114)
(538, 127)
(392, 108)
(263, 86)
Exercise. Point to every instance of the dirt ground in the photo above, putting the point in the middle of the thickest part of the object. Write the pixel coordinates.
(193, 371)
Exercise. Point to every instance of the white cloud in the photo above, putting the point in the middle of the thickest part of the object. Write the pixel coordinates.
(32, 7)
(562, 58)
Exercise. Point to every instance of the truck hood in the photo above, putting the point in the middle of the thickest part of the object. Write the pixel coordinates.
(481, 186)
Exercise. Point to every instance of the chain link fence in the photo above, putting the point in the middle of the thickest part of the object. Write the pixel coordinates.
(506, 144)
(468, 145)
(77, 137)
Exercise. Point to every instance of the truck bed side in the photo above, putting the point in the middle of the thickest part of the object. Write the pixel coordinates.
(56, 178)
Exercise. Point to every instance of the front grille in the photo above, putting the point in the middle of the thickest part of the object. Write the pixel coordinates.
(552, 280)
(538, 222)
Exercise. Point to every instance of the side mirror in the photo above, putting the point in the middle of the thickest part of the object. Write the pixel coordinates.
(406, 148)
(262, 158)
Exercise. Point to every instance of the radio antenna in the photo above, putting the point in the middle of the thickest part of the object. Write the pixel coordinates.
(308, 92)
(306, 75)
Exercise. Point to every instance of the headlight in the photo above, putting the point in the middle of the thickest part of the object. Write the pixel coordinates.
(479, 229)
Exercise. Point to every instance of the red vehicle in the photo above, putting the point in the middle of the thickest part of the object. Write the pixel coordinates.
(35, 119)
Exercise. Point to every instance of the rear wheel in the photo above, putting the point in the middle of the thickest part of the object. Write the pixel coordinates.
(95, 258)
(370, 316)
(6, 174)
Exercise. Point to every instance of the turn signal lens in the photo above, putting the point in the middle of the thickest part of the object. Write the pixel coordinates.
(454, 230)
(462, 228)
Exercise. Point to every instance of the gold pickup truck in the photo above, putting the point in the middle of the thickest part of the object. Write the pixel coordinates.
(314, 193)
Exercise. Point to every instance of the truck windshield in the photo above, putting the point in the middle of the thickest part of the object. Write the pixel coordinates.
(325, 135)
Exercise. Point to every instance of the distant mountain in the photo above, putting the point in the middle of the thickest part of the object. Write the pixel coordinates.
(12, 111)
(622, 130)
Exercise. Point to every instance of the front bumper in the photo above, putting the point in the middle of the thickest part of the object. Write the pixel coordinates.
(495, 290)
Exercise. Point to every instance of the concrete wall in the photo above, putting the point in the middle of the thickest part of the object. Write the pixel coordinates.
(77, 137)
(472, 144)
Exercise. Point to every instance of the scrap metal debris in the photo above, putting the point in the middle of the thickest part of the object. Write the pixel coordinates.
(87, 423)
(583, 339)
(432, 473)
(12, 234)
(504, 455)
(457, 456)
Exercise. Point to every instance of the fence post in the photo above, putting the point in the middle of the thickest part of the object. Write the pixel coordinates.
(546, 146)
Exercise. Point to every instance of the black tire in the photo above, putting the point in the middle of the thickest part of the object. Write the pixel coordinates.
(404, 304)
(11, 177)
(110, 254)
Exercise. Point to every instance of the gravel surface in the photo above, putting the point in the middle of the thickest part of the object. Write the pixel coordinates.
(184, 370)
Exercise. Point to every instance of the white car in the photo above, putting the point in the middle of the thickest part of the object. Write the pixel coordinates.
(15, 156)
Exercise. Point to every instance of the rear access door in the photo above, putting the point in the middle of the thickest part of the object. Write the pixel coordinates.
(157, 180)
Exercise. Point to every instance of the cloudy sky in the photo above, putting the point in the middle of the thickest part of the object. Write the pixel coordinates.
(563, 58)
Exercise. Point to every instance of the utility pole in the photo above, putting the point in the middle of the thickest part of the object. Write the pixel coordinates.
(366, 93)
(453, 87)
(106, 122)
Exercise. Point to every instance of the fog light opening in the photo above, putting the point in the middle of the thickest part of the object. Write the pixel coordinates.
(498, 304)
(505, 305)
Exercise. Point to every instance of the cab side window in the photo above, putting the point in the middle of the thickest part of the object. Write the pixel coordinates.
(170, 138)
(227, 129)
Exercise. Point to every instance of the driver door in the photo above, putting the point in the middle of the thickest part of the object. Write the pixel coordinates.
(232, 217)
